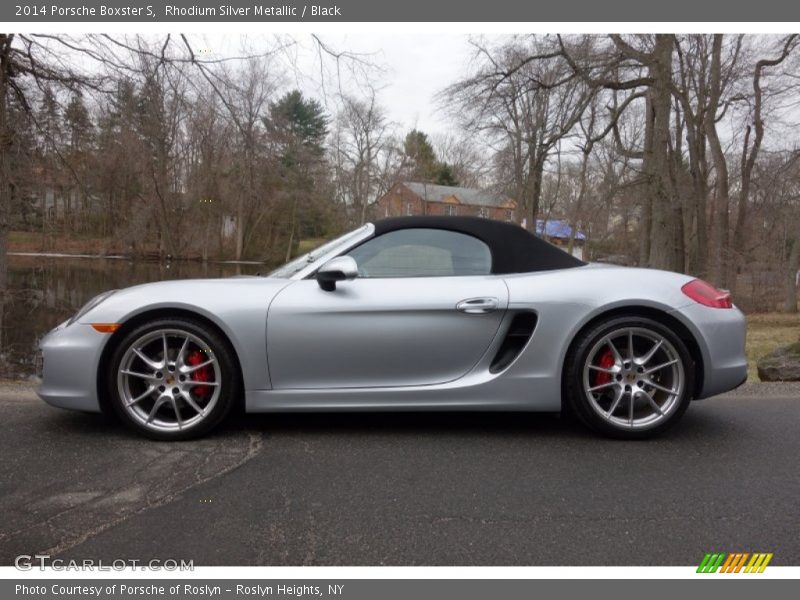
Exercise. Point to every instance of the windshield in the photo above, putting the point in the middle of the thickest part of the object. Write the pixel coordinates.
(297, 264)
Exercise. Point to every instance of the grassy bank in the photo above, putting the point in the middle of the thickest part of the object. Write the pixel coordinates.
(766, 332)
(32, 241)
(308, 245)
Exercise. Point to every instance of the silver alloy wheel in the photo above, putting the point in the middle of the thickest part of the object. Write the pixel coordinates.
(633, 378)
(160, 389)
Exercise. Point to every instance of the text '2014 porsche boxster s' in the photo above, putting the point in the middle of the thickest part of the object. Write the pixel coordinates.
(411, 313)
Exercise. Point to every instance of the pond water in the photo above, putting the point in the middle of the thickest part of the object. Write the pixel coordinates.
(44, 291)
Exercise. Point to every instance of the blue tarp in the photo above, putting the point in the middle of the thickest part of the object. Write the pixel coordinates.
(556, 228)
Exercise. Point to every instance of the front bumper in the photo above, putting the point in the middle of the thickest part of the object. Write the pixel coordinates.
(70, 355)
(720, 335)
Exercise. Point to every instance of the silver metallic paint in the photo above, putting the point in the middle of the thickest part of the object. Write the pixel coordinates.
(379, 332)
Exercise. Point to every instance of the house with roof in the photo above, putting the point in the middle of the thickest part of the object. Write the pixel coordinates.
(415, 198)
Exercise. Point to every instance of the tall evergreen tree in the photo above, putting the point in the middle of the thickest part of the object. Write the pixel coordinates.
(298, 126)
(80, 128)
(445, 175)
(420, 157)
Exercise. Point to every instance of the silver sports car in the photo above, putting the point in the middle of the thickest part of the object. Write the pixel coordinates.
(412, 313)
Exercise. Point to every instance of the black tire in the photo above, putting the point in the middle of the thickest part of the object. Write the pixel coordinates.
(576, 398)
(222, 351)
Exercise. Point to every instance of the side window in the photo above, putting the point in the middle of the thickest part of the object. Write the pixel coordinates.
(422, 253)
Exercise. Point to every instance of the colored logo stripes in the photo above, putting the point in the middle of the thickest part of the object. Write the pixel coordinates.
(734, 562)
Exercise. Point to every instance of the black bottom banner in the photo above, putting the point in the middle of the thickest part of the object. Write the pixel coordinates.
(391, 589)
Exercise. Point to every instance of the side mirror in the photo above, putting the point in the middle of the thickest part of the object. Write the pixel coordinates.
(341, 268)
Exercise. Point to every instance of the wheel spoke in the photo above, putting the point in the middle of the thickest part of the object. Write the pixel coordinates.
(661, 366)
(603, 369)
(179, 359)
(661, 387)
(652, 402)
(190, 401)
(177, 413)
(146, 360)
(630, 346)
(141, 396)
(156, 406)
(193, 368)
(616, 402)
(617, 356)
(630, 410)
(205, 383)
(650, 353)
(602, 386)
(137, 374)
(166, 347)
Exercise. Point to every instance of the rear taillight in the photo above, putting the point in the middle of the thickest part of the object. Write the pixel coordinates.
(707, 295)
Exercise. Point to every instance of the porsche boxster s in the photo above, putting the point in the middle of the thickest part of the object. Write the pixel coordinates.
(410, 313)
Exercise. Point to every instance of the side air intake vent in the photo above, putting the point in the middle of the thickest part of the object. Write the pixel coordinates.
(518, 334)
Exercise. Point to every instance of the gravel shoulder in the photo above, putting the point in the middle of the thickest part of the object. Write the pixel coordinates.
(772, 389)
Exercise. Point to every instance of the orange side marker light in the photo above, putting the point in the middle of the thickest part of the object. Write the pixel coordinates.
(106, 327)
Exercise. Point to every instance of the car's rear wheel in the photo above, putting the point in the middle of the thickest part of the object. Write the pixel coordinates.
(172, 379)
(629, 377)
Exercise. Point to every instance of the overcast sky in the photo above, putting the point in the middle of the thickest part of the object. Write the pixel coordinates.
(417, 67)
(412, 69)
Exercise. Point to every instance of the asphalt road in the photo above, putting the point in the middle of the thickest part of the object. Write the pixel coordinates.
(407, 489)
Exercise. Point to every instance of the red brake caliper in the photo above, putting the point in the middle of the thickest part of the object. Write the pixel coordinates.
(201, 374)
(606, 362)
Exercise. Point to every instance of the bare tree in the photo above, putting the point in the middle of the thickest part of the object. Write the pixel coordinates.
(753, 140)
(465, 156)
(246, 95)
(523, 106)
(361, 149)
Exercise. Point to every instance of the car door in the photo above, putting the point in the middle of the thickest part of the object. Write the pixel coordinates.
(423, 311)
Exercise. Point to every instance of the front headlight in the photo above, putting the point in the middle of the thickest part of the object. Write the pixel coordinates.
(90, 305)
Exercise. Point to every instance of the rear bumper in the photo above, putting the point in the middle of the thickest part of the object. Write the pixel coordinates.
(720, 335)
(70, 355)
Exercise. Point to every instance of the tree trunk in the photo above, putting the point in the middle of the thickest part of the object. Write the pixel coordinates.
(695, 224)
(367, 186)
(5, 167)
(206, 239)
(239, 226)
(291, 231)
(656, 166)
(719, 238)
(578, 203)
(536, 189)
(791, 276)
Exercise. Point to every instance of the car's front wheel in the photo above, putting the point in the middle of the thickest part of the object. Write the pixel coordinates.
(629, 377)
(172, 379)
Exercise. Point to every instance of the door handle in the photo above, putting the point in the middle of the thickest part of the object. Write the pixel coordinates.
(477, 306)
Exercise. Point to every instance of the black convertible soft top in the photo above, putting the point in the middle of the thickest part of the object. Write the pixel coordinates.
(514, 249)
